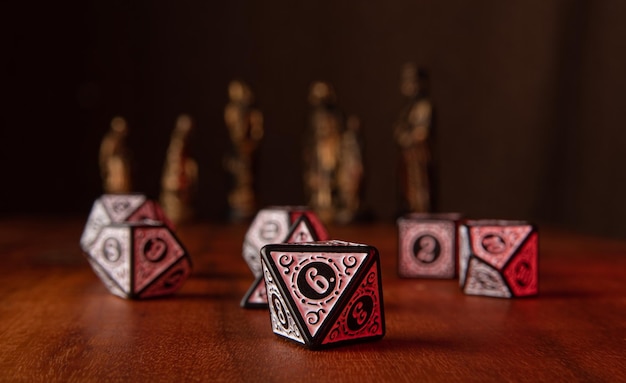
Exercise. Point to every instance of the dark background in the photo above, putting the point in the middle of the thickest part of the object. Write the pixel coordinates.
(529, 96)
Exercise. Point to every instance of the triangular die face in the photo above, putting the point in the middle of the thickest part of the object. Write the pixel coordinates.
(301, 231)
(150, 210)
(156, 250)
(315, 282)
(111, 251)
(497, 244)
(121, 206)
(522, 272)
(362, 316)
(483, 279)
(283, 322)
(269, 226)
(256, 296)
(170, 281)
(314, 222)
(98, 218)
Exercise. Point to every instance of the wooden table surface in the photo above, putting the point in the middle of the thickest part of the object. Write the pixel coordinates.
(58, 323)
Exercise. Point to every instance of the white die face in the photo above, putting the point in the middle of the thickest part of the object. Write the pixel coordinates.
(426, 248)
(120, 206)
(269, 226)
(109, 208)
(111, 251)
(98, 218)
(484, 280)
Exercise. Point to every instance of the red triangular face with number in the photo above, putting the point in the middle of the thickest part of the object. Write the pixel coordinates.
(156, 249)
(170, 281)
(521, 272)
(497, 244)
(315, 282)
(362, 315)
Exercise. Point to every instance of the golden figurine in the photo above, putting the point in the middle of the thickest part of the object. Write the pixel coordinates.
(115, 159)
(413, 134)
(350, 172)
(245, 128)
(180, 174)
(322, 151)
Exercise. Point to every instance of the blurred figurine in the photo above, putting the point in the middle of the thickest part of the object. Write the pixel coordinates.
(350, 172)
(245, 128)
(115, 159)
(323, 150)
(180, 174)
(413, 134)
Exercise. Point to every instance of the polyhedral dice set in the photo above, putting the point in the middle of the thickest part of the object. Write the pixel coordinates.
(495, 258)
(324, 293)
(131, 246)
(277, 224)
(320, 293)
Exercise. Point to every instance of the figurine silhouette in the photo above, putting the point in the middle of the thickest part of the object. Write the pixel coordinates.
(115, 159)
(322, 150)
(413, 133)
(180, 174)
(245, 128)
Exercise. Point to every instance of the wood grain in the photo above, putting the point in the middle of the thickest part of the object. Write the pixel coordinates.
(58, 323)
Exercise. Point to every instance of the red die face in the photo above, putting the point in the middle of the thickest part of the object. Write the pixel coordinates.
(118, 208)
(427, 245)
(287, 224)
(139, 260)
(498, 258)
(323, 294)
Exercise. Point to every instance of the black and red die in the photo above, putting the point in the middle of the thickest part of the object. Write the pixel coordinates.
(323, 294)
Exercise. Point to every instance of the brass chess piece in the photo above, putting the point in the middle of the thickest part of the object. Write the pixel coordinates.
(180, 174)
(245, 128)
(413, 134)
(115, 159)
(323, 150)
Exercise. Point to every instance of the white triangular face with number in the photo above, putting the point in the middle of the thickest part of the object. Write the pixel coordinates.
(485, 280)
(120, 207)
(315, 281)
(281, 317)
(269, 226)
(111, 251)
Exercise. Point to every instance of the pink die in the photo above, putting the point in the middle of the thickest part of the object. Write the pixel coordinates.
(276, 224)
(323, 294)
(427, 245)
(498, 258)
(139, 260)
